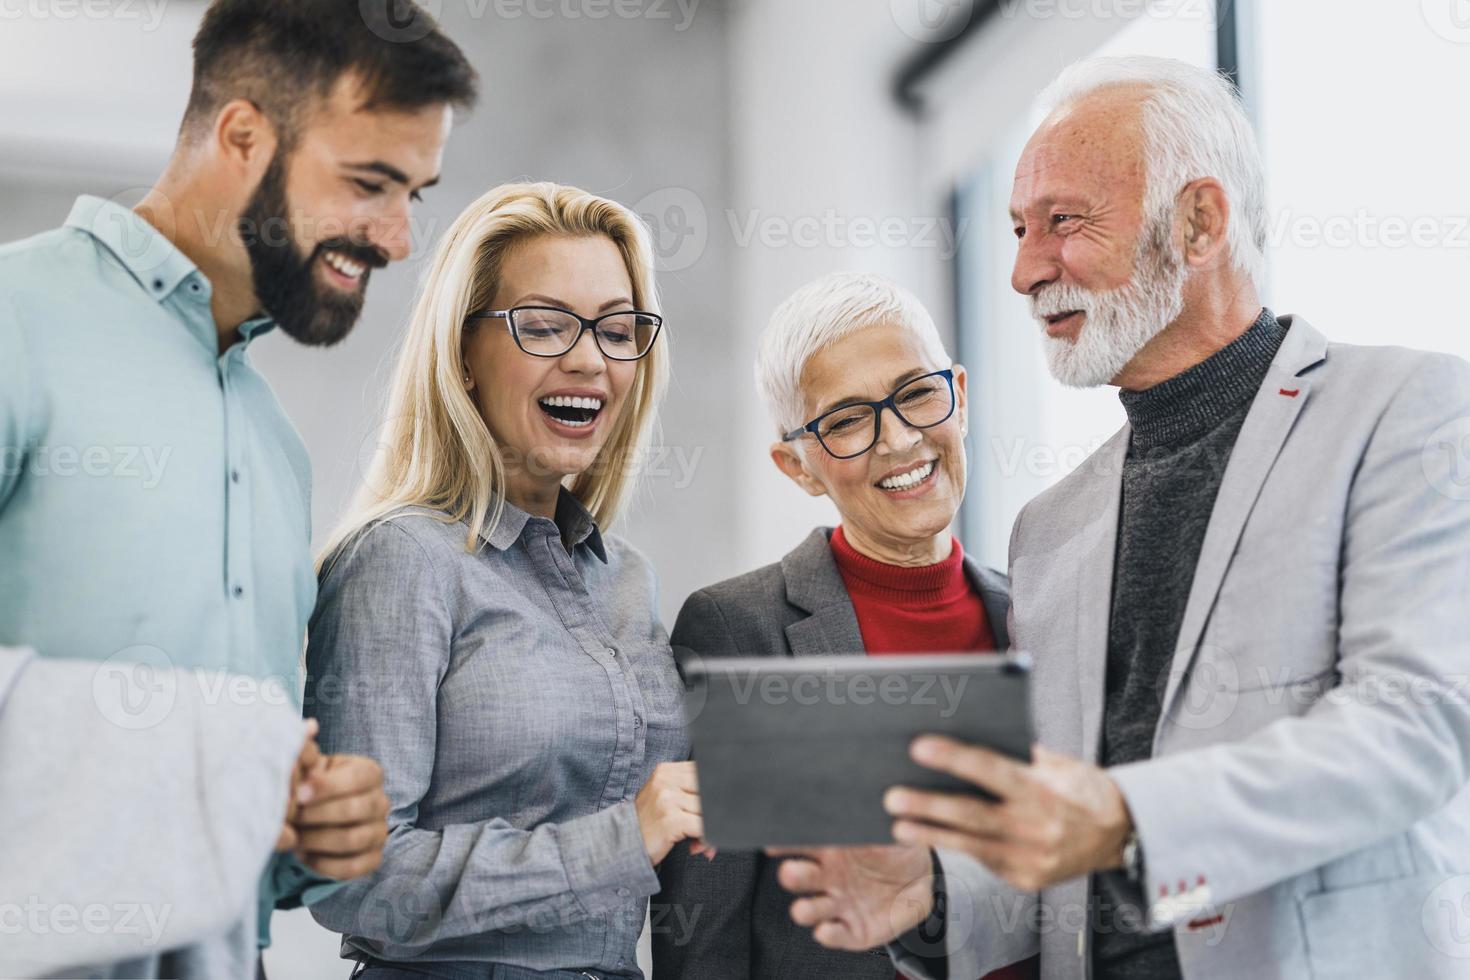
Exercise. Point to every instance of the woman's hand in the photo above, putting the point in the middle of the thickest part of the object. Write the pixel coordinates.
(668, 810)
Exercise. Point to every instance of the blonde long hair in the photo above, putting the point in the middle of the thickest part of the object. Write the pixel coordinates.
(435, 450)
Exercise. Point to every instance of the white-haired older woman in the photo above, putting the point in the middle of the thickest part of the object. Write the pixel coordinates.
(869, 411)
(481, 636)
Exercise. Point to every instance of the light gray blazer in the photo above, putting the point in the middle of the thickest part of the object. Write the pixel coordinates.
(1306, 813)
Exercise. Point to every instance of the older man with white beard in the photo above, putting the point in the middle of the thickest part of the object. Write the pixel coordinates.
(1246, 609)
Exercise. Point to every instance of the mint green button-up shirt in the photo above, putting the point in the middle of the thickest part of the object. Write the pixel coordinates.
(154, 498)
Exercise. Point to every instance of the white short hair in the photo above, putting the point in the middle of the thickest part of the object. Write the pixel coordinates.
(818, 315)
(1194, 126)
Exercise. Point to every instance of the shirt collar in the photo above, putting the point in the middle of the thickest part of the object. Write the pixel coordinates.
(573, 522)
(154, 261)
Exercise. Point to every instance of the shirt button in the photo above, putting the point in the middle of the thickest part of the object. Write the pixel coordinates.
(637, 721)
(622, 893)
(234, 476)
(239, 592)
(158, 284)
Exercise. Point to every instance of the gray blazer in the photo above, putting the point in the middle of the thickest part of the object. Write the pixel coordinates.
(1305, 813)
(727, 919)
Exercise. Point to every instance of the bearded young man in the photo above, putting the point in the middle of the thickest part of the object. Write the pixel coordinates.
(1246, 609)
(312, 127)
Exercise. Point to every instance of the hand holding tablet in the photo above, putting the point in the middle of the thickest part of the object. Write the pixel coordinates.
(801, 752)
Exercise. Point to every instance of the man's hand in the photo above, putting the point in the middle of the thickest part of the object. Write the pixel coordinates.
(856, 898)
(341, 819)
(308, 757)
(1056, 818)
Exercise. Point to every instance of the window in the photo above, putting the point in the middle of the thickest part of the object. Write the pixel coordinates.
(1360, 112)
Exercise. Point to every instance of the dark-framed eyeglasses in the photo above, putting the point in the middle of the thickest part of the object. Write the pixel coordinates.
(549, 331)
(852, 429)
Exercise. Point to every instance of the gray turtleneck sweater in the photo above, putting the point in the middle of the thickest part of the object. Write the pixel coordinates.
(1183, 432)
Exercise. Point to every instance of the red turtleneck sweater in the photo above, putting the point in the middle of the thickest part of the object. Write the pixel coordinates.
(928, 609)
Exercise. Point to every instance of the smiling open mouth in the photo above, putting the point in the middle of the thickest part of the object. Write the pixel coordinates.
(572, 411)
(910, 478)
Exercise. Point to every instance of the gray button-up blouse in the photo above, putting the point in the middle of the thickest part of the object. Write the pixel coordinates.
(518, 698)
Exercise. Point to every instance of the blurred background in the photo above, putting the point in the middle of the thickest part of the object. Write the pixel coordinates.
(768, 142)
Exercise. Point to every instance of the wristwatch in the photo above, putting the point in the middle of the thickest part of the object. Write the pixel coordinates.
(1133, 858)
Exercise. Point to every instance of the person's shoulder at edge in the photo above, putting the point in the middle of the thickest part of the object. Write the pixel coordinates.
(23, 261)
(767, 582)
(730, 605)
(417, 535)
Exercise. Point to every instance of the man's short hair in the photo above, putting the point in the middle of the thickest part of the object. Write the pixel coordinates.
(283, 54)
(1194, 126)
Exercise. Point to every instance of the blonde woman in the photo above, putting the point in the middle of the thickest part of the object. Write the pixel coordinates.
(479, 634)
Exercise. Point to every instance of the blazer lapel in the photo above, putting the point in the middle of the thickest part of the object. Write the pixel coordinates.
(1272, 415)
(1096, 549)
(995, 595)
(815, 586)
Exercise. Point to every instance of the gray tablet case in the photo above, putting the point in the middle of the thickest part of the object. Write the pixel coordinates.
(801, 751)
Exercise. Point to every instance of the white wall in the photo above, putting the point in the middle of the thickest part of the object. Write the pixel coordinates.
(823, 154)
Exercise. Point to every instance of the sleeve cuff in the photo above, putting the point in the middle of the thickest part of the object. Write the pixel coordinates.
(920, 952)
(1172, 890)
(606, 865)
(13, 662)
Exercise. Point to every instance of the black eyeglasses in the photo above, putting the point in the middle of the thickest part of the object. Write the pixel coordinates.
(548, 331)
(852, 429)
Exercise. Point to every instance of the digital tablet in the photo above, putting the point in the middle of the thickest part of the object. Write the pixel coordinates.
(798, 752)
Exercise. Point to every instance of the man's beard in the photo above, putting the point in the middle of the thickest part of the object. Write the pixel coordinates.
(285, 281)
(1118, 323)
